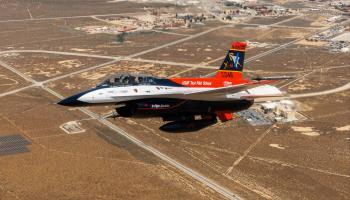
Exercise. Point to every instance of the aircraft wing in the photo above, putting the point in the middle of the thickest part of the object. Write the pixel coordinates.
(247, 91)
(263, 93)
(218, 94)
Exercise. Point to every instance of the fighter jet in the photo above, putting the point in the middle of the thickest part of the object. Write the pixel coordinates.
(182, 100)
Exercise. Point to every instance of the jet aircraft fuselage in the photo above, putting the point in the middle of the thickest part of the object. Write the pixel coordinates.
(180, 99)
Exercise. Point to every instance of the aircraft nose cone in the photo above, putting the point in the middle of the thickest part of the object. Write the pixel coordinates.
(71, 101)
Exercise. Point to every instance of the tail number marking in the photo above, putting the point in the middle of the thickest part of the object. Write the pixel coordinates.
(226, 74)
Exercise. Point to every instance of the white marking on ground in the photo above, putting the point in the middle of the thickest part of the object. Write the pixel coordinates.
(278, 146)
(30, 14)
(72, 127)
(344, 128)
(309, 131)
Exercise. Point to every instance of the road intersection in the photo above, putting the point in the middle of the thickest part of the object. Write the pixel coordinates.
(113, 59)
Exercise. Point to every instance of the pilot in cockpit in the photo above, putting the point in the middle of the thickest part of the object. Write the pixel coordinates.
(139, 80)
(124, 80)
(116, 81)
(132, 80)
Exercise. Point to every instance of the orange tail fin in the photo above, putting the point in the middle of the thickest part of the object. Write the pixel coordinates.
(232, 66)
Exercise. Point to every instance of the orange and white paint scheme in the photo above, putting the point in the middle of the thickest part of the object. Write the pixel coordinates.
(181, 99)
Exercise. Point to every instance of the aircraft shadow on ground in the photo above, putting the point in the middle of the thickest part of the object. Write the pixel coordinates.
(180, 126)
(186, 126)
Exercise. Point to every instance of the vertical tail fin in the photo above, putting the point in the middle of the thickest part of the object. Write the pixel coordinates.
(232, 66)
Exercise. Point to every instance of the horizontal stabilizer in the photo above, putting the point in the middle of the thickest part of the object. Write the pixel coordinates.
(263, 93)
(273, 78)
(260, 96)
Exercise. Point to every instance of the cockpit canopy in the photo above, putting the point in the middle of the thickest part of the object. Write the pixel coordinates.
(129, 79)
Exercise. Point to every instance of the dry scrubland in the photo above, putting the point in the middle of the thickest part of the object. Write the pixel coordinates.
(301, 160)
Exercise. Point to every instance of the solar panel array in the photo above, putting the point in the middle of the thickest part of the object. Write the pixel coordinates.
(13, 144)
